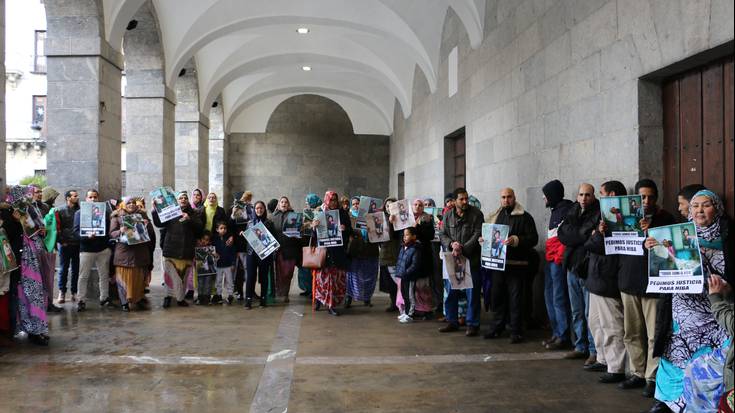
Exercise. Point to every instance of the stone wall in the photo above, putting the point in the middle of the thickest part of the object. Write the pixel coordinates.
(218, 173)
(192, 135)
(2, 94)
(552, 92)
(309, 146)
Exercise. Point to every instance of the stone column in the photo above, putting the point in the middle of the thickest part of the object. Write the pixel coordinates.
(2, 95)
(149, 108)
(218, 174)
(192, 136)
(149, 137)
(84, 105)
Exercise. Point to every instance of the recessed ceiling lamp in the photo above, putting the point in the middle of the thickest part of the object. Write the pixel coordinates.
(302, 30)
(306, 68)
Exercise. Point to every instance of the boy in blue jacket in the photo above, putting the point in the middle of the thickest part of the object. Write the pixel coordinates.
(225, 264)
(407, 269)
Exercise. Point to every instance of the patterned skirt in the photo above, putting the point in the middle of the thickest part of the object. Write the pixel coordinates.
(31, 294)
(362, 278)
(130, 284)
(329, 286)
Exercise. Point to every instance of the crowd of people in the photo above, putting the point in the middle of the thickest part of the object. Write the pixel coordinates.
(677, 347)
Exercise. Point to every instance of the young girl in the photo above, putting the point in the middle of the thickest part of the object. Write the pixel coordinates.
(408, 270)
(225, 264)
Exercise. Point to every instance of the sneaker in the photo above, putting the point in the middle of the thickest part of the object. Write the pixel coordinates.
(106, 302)
(472, 331)
(332, 311)
(216, 299)
(449, 328)
(659, 407)
(61, 299)
(166, 302)
(230, 299)
(549, 340)
(81, 306)
(182, 303)
(612, 378)
(650, 389)
(405, 320)
(126, 308)
(633, 382)
(575, 355)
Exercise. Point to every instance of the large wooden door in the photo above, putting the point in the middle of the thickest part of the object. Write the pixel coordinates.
(698, 132)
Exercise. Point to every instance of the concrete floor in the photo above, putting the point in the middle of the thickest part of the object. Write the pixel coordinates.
(285, 358)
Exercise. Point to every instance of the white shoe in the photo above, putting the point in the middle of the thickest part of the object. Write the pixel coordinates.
(61, 299)
(406, 319)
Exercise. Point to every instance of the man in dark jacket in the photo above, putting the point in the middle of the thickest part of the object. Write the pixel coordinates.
(68, 245)
(93, 251)
(555, 283)
(178, 249)
(605, 307)
(639, 308)
(508, 284)
(461, 230)
(578, 225)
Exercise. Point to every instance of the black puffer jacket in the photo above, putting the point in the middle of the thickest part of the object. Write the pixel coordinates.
(633, 269)
(181, 236)
(574, 233)
(602, 270)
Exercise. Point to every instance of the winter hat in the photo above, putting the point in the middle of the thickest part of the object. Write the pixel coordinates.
(49, 194)
(554, 192)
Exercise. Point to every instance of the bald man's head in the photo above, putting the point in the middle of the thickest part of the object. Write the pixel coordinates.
(507, 198)
(586, 195)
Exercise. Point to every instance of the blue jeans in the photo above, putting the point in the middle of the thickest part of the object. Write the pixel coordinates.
(451, 305)
(579, 297)
(557, 300)
(69, 256)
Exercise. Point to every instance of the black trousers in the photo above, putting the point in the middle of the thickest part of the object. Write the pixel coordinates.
(257, 269)
(506, 300)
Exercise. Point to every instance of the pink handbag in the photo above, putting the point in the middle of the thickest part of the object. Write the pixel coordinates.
(313, 257)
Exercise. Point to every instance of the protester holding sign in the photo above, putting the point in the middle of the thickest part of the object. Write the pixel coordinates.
(691, 367)
(289, 253)
(178, 249)
(329, 281)
(241, 213)
(311, 202)
(93, 251)
(639, 308)
(507, 285)
(362, 275)
(257, 267)
(605, 317)
(461, 230)
(131, 261)
(387, 258)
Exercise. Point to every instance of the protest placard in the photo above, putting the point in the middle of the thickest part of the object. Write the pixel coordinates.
(377, 227)
(261, 240)
(8, 261)
(165, 203)
(92, 219)
(133, 229)
(206, 261)
(292, 223)
(403, 213)
(493, 247)
(675, 264)
(368, 205)
(622, 216)
(328, 232)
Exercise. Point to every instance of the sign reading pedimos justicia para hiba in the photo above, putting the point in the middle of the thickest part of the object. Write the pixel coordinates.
(675, 264)
(622, 216)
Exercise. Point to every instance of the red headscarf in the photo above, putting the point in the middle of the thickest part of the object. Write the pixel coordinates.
(328, 197)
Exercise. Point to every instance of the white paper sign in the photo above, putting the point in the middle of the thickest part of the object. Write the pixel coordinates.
(624, 245)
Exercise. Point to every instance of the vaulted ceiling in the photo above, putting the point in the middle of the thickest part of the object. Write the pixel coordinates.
(362, 53)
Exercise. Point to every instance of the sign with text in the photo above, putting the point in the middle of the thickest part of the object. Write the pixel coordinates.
(622, 216)
(164, 200)
(262, 241)
(675, 263)
(328, 232)
(493, 247)
(92, 219)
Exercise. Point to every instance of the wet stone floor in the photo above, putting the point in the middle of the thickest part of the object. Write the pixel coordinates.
(285, 358)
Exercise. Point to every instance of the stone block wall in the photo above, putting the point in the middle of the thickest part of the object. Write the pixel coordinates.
(554, 91)
(309, 146)
(3, 182)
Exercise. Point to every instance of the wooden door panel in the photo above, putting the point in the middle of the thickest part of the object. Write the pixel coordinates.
(712, 123)
(690, 112)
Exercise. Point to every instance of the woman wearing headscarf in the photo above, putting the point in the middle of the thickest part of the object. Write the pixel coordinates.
(364, 264)
(10, 223)
(329, 281)
(242, 211)
(213, 213)
(290, 252)
(197, 199)
(422, 293)
(132, 262)
(31, 298)
(388, 259)
(258, 269)
(693, 346)
(312, 202)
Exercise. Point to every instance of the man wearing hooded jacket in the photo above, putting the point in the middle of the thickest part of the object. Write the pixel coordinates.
(555, 283)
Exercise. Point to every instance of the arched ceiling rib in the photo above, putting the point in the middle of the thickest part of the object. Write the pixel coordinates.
(248, 50)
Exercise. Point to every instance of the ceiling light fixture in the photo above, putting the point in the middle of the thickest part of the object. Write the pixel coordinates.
(306, 68)
(302, 30)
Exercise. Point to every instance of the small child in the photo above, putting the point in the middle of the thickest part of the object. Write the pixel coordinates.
(225, 264)
(721, 300)
(407, 271)
(203, 274)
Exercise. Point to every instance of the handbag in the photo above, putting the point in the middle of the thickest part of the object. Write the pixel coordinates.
(313, 257)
